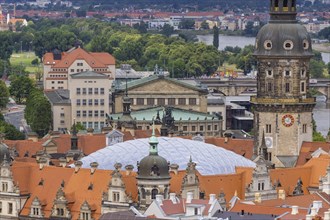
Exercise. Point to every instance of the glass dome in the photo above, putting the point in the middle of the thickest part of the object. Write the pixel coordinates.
(210, 159)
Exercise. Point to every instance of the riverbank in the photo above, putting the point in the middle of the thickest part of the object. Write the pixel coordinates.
(325, 47)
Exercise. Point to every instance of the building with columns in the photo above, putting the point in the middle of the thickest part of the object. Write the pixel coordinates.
(283, 107)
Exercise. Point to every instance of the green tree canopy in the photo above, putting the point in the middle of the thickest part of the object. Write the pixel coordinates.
(4, 95)
(38, 112)
(187, 24)
(20, 88)
(216, 37)
(7, 44)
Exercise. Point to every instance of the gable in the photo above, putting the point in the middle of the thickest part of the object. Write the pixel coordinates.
(163, 86)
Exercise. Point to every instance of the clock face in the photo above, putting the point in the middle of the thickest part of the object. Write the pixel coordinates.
(287, 120)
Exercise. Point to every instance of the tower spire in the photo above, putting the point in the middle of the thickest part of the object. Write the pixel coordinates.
(74, 137)
(283, 11)
(153, 141)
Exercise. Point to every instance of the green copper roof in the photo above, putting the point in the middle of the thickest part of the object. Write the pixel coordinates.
(178, 114)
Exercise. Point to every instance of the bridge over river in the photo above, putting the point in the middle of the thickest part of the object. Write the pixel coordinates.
(235, 87)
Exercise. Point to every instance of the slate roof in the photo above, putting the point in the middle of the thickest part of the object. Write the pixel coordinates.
(59, 96)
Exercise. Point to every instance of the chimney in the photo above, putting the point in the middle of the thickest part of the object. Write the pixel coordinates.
(281, 194)
(174, 168)
(62, 162)
(77, 166)
(190, 196)
(69, 157)
(317, 204)
(313, 211)
(42, 163)
(93, 165)
(309, 217)
(129, 168)
(226, 139)
(294, 210)
(327, 215)
(212, 198)
(159, 199)
(257, 197)
(172, 198)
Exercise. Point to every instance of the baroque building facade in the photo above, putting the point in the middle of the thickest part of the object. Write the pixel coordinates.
(283, 106)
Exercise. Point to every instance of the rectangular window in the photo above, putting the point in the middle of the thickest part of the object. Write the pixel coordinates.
(0, 207)
(96, 102)
(84, 113)
(102, 124)
(90, 124)
(161, 101)
(209, 127)
(90, 113)
(96, 125)
(215, 127)
(96, 91)
(90, 101)
(102, 91)
(171, 101)
(182, 101)
(4, 187)
(268, 128)
(269, 87)
(90, 91)
(102, 113)
(150, 101)
(78, 113)
(84, 101)
(72, 70)
(84, 91)
(304, 128)
(140, 101)
(10, 208)
(101, 101)
(193, 128)
(115, 196)
(62, 114)
(196, 211)
(201, 128)
(287, 87)
(78, 91)
(184, 128)
(302, 89)
(192, 101)
(62, 121)
(96, 113)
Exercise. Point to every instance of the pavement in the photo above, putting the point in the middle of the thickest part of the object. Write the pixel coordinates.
(15, 115)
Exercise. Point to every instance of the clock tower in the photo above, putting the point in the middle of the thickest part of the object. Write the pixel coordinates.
(283, 106)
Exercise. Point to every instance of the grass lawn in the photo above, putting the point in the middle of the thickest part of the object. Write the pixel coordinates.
(24, 59)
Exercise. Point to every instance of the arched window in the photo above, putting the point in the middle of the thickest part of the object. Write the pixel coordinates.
(285, 3)
(154, 192)
(276, 3)
(143, 193)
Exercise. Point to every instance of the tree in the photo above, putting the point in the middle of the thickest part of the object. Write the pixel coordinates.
(20, 88)
(317, 136)
(38, 112)
(141, 27)
(11, 133)
(79, 127)
(216, 37)
(6, 46)
(4, 95)
(187, 24)
(167, 30)
(316, 68)
(81, 13)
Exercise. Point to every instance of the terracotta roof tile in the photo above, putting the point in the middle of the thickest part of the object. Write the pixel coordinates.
(307, 148)
(259, 209)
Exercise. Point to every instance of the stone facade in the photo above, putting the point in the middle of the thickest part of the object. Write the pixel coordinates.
(162, 91)
(283, 106)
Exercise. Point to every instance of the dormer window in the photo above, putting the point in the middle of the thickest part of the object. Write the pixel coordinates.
(268, 45)
(288, 45)
(305, 44)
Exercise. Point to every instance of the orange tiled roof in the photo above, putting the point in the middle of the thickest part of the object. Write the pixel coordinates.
(95, 60)
(307, 148)
(259, 209)
(242, 147)
(23, 146)
(28, 176)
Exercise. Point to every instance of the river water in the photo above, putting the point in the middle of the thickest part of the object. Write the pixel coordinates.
(240, 41)
(321, 111)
